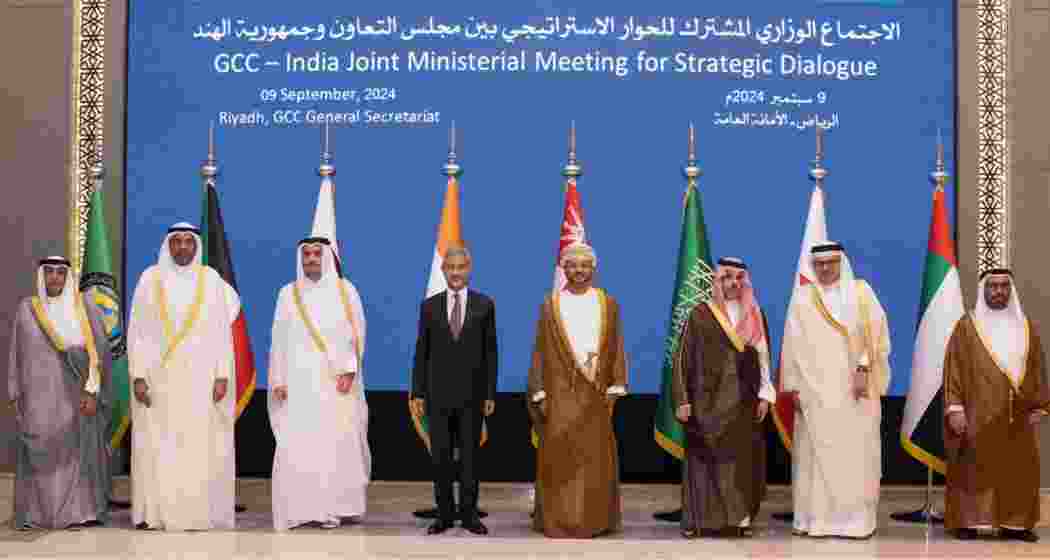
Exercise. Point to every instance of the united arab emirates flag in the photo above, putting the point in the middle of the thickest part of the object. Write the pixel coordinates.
(940, 307)
(692, 286)
(217, 255)
(98, 282)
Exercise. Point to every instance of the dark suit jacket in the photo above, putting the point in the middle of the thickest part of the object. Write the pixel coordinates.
(456, 373)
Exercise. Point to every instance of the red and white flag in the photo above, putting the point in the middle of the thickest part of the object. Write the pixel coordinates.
(815, 232)
(572, 230)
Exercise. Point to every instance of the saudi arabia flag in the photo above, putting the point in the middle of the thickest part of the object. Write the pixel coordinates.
(692, 286)
(940, 308)
(98, 282)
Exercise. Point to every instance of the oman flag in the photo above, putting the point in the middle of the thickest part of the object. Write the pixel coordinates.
(217, 255)
(572, 233)
(572, 230)
(816, 230)
(940, 307)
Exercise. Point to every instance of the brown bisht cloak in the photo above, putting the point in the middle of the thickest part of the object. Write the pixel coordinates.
(725, 461)
(993, 469)
(577, 466)
(62, 473)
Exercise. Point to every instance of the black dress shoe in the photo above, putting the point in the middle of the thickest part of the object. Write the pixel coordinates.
(474, 525)
(966, 534)
(440, 526)
(1018, 535)
(674, 516)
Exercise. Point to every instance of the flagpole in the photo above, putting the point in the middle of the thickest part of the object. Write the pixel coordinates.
(926, 514)
(209, 171)
(572, 169)
(817, 173)
(452, 169)
(692, 174)
(97, 172)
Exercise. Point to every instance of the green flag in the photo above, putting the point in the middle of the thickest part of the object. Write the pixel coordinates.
(98, 282)
(692, 286)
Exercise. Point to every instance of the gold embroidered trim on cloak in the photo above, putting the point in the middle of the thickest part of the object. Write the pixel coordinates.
(56, 340)
(564, 335)
(723, 321)
(191, 319)
(995, 358)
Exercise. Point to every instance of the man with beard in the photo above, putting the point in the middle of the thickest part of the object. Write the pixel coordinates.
(995, 396)
(723, 393)
(579, 369)
(180, 358)
(59, 382)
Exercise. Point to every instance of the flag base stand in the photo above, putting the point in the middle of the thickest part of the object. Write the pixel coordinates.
(674, 516)
(926, 514)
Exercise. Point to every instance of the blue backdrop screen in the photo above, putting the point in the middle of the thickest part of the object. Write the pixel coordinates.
(754, 77)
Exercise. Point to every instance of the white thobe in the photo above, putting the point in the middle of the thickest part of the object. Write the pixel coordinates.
(582, 317)
(183, 463)
(322, 464)
(837, 453)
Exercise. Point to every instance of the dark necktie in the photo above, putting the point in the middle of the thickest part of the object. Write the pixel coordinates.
(456, 323)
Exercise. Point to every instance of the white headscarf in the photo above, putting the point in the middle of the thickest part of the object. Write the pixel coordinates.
(165, 260)
(180, 282)
(62, 309)
(324, 303)
(1003, 329)
(839, 298)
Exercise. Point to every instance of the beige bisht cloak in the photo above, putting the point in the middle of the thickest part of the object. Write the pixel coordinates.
(993, 469)
(837, 450)
(577, 478)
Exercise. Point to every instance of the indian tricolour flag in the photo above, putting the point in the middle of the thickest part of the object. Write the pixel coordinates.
(940, 308)
(450, 234)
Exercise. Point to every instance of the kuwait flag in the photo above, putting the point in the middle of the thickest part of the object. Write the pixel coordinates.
(450, 234)
(217, 256)
(692, 286)
(941, 307)
(816, 230)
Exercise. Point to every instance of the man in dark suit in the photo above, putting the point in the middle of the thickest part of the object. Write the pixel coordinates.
(454, 384)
